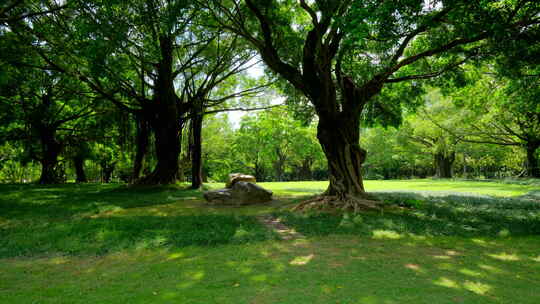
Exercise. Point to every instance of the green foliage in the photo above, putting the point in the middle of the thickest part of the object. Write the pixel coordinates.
(272, 145)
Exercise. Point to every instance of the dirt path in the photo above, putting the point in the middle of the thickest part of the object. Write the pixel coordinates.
(281, 229)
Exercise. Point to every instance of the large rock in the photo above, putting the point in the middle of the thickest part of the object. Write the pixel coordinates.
(241, 193)
(239, 177)
(218, 196)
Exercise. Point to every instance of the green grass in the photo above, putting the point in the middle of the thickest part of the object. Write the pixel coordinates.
(477, 187)
(114, 244)
(415, 215)
(335, 269)
(96, 219)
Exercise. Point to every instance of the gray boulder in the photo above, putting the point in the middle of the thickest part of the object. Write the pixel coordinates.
(239, 177)
(218, 196)
(241, 193)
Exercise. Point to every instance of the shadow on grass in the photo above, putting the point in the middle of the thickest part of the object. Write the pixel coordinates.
(532, 195)
(102, 235)
(441, 215)
(56, 202)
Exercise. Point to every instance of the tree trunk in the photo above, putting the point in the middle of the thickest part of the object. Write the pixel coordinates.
(107, 170)
(443, 164)
(49, 161)
(339, 139)
(165, 121)
(78, 163)
(304, 171)
(279, 165)
(259, 171)
(141, 146)
(196, 148)
(533, 166)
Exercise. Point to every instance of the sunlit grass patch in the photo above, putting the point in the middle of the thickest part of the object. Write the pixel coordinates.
(494, 188)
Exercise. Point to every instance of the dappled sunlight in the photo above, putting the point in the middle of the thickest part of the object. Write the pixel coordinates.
(482, 242)
(386, 234)
(259, 278)
(491, 268)
(414, 267)
(442, 257)
(197, 275)
(160, 250)
(477, 287)
(175, 256)
(446, 266)
(470, 272)
(340, 268)
(504, 256)
(446, 282)
(452, 252)
(302, 260)
(58, 260)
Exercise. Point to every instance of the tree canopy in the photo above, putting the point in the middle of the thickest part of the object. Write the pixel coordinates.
(142, 90)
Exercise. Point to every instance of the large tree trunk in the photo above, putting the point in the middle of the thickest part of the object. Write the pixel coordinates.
(142, 139)
(78, 163)
(49, 160)
(165, 121)
(196, 148)
(533, 166)
(339, 139)
(443, 164)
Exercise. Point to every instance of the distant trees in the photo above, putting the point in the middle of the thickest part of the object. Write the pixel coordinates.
(43, 110)
(273, 146)
(499, 111)
(134, 89)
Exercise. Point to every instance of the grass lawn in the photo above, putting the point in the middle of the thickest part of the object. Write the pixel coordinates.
(454, 186)
(112, 244)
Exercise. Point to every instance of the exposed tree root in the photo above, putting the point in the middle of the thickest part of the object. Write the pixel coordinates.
(336, 203)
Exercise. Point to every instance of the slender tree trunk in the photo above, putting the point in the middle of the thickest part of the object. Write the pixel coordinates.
(165, 121)
(258, 171)
(339, 139)
(443, 164)
(196, 149)
(49, 161)
(107, 170)
(304, 171)
(142, 139)
(78, 163)
(279, 165)
(533, 166)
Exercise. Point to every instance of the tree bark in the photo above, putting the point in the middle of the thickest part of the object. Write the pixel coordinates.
(339, 140)
(78, 163)
(259, 171)
(107, 170)
(443, 164)
(304, 171)
(196, 148)
(533, 166)
(165, 122)
(49, 161)
(279, 165)
(142, 139)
